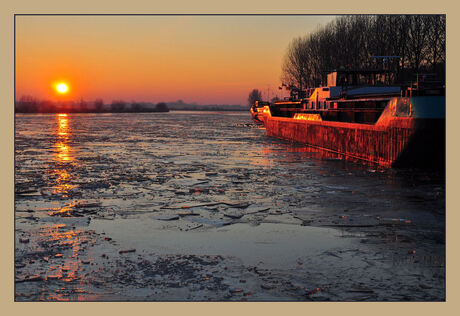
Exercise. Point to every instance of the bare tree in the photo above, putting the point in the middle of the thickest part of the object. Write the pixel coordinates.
(27, 104)
(118, 106)
(83, 106)
(350, 41)
(254, 95)
(418, 32)
(295, 64)
(98, 105)
(161, 107)
(436, 40)
(136, 106)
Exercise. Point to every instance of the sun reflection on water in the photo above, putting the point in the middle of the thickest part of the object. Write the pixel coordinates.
(63, 155)
(63, 152)
(62, 144)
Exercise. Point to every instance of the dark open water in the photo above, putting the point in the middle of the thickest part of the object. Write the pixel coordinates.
(214, 210)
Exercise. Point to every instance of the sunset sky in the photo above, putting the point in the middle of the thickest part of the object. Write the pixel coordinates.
(202, 59)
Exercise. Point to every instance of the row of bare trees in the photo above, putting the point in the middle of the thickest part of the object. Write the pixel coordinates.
(350, 41)
(29, 104)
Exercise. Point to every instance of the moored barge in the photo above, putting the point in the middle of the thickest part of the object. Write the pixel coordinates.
(359, 116)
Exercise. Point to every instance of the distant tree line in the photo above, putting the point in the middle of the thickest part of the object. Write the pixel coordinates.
(29, 104)
(219, 108)
(350, 41)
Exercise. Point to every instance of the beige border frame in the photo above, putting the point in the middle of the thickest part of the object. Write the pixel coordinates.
(236, 6)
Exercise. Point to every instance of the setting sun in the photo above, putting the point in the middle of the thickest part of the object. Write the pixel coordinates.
(62, 88)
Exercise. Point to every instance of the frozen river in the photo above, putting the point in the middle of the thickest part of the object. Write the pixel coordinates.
(197, 206)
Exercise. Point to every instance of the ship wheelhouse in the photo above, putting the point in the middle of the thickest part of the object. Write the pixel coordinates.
(350, 96)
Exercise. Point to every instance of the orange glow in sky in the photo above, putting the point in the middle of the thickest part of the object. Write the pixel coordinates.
(202, 59)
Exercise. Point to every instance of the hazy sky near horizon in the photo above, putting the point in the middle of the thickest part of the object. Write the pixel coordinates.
(202, 59)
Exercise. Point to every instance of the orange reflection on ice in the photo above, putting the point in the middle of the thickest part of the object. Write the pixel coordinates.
(295, 153)
(62, 182)
(63, 152)
(70, 270)
(260, 160)
(63, 295)
(63, 132)
(63, 124)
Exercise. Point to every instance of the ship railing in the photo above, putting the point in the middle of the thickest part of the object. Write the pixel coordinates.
(329, 110)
